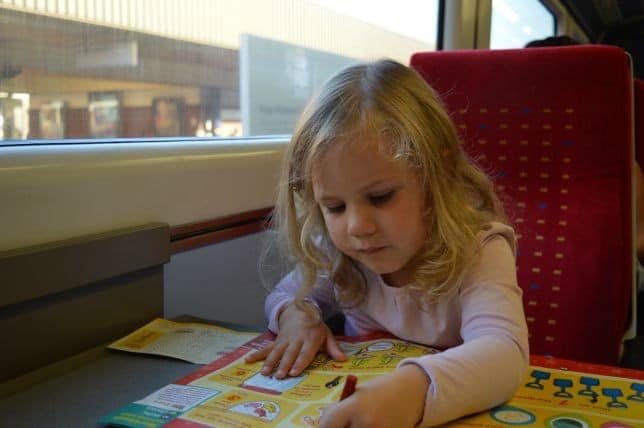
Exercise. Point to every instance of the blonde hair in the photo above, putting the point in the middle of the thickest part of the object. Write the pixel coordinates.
(392, 101)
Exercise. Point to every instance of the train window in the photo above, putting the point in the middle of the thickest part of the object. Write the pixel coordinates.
(517, 22)
(144, 68)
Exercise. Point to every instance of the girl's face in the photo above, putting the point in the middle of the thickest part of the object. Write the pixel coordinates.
(372, 206)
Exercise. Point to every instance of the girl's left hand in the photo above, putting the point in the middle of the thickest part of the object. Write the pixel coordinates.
(396, 399)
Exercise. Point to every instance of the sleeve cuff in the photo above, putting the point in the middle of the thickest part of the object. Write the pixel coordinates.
(275, 313)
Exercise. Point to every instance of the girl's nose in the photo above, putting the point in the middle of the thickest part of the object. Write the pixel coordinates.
(360, 222)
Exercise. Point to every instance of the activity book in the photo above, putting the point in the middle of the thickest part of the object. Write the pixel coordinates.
(231, 393)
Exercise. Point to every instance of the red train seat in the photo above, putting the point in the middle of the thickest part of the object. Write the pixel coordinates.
(553, 127)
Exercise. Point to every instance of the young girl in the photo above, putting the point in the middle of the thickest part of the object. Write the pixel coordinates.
(387, 219)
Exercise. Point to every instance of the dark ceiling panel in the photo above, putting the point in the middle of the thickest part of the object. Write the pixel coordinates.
(585, 14)
(614, 22)
(631, 8)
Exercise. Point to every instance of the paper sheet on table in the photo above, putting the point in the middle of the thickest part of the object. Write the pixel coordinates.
(193, 342)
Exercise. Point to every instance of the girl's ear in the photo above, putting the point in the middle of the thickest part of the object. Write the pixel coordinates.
(294, 183)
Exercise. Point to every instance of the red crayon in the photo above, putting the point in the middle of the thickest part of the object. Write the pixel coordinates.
(349, 386)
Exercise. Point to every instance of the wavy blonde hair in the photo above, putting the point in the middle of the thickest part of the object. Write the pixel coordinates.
(392, 101)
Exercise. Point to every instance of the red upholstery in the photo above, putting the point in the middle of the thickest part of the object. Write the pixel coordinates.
(553, 127)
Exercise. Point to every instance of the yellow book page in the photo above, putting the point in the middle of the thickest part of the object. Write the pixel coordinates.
(193, 342)
(553, 398)
(229, 392)
(248, 398)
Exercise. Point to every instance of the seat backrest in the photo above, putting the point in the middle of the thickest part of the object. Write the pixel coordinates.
(552, 126)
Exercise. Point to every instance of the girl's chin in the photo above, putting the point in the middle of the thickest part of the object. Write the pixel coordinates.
(385, 271)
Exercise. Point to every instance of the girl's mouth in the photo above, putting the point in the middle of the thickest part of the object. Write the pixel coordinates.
(371, 250)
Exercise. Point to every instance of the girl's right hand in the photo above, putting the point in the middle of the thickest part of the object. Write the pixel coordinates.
(299, 339)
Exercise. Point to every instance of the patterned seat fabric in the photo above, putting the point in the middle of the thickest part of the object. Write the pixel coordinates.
(553, 127)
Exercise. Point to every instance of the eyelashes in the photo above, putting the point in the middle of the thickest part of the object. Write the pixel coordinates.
(377, 200)
(335, 209)
(381, 199)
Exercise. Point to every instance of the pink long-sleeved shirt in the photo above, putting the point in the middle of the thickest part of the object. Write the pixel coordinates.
(481, 327)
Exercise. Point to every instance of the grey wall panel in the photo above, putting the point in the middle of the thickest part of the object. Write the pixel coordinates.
(219, 282)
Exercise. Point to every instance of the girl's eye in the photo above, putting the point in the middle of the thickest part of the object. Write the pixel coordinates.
(381, 199)
(335, 209)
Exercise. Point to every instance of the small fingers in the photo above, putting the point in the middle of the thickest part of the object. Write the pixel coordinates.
(305, 356)
(259, 354)
(335, 415)
(273, 358)
(288, 358)
(334, 350)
